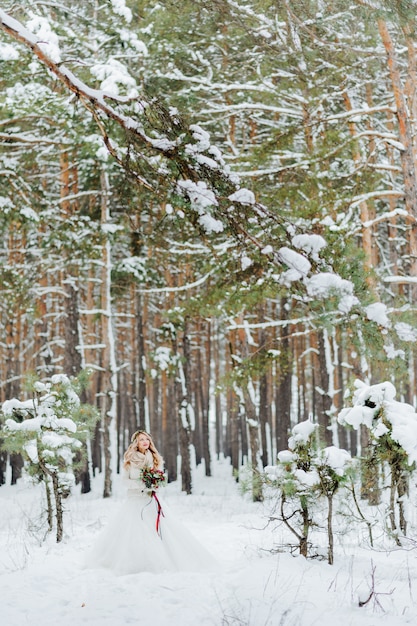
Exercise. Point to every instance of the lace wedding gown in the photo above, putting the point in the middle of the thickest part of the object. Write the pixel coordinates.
(139, 539)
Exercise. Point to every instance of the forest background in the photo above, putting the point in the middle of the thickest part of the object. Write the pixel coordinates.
(210, 207)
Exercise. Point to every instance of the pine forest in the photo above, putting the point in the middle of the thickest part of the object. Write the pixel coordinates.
(208, 216)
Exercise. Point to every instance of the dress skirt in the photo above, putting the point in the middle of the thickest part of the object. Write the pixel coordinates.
(143, 536)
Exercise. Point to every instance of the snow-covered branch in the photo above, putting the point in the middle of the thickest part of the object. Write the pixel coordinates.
(27, 138)
(201, 166)
(253, 106)
(357, 113)
(388, 193)
(186, 287)
(400, 280)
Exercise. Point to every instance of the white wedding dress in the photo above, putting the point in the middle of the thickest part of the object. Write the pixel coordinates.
(138, 539)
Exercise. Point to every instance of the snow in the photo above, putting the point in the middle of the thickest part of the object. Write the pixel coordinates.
(405, 331)
(31, 449)
(8, 52)
(245, 261)
(258, 582)
(336, 458)
(301, 433)
(120, 8)
(295, 261)
(9, 406)
(375, 407)
(324, 284)
(284, 456)
(377, 312)
(393, 353)
(311, 244)
(162, 356)
(356, 416)
(134, 41)
(47, 40)
(200, 195)
(210, 224)
(202, 159)
(202, 138)
(111, 75)
(30, 425)
(201, 198)
(202, 144)
(244, 196)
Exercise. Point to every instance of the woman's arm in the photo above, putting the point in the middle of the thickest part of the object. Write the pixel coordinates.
(131, 476)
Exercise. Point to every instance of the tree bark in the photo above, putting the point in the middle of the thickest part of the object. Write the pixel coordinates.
(109, 380)
(365, 212)
(283, 389)
(252, 422)
(140, 355)
(323, 393)
(184, 406)
(405, 130)
(3, 466)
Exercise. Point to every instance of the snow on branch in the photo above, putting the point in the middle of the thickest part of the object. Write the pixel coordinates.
(186, 287)
(389, 193)
(254, 106)
(400, 280)
(382, 218)
(27, 138)
(355, 113)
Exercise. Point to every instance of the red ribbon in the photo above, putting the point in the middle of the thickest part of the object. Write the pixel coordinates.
(159, 513)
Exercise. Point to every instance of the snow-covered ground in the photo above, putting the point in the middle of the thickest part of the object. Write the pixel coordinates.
(43, 583)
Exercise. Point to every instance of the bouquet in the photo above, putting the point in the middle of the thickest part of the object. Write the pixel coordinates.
(152, 477)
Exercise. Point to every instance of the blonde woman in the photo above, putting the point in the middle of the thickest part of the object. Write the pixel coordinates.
(141, 453)
(143, 536)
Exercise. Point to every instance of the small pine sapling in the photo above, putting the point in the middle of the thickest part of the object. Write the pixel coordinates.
(294, 477)
(48, 431)
(392, 430)
(303, 474)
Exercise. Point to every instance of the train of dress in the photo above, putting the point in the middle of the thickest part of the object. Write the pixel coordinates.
(144, 536)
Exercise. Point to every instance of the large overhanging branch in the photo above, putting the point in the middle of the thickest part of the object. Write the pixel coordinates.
(170, 138)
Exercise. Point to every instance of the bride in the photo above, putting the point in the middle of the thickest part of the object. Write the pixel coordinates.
(143, 536)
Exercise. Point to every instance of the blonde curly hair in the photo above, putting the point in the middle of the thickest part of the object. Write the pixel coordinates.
(133, 449)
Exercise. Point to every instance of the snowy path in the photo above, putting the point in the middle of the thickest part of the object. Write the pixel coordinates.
(42, 584)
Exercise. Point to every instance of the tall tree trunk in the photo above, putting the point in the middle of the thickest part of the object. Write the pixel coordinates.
(219, 435)
(323, 392)
(403, 492)
(141, 356)
(283, 389)
(12, 337)
(197, 402)
(185, 412)
(370, 470)
(337, 339)
(72, 354)
(408, 163)
(73, 366)
(172, 430)
(365, 212)
(3, 466)
(264, 391)
(202, 383)
(109, 375)
(252, 422)
(302, 377)
(330, 554)
(264, 416)
(232, 408)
